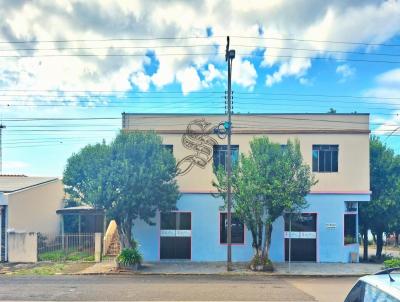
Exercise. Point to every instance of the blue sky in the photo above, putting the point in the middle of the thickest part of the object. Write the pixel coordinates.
(303, 57)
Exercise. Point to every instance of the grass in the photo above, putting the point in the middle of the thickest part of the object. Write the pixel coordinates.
(68, 255)
(45, 270)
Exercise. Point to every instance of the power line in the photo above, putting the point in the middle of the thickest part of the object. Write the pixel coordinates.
(317, 41)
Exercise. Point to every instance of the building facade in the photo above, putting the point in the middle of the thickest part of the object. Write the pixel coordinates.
(28, 204)
(336, 147)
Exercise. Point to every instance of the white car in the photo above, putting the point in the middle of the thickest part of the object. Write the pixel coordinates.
(381, 287)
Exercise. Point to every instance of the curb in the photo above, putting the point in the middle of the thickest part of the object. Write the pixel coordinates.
(222, 274)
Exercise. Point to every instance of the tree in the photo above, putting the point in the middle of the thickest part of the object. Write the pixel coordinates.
(269, 181)
(381, 213)
(131, 178)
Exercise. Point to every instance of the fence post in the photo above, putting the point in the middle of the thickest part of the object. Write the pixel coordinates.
(97, 247)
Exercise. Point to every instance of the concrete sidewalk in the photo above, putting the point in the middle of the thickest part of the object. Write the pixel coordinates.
(219, 268)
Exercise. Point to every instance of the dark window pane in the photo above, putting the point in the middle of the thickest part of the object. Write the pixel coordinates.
(220, 155)
(168, 221)
(306, 222)
(237, 234)
(350, 228)
(185, 221)
(170, 148)
(321, 161)
(315, 161)
(334, 161)
(328, 161)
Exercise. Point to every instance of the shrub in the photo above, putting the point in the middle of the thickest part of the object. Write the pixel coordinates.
(381, 259)
(130, 256)
(395, 262)
(261, 264)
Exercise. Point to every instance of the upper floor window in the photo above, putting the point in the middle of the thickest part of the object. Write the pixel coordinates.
(170, 148)
(325, 158)
(220, 155)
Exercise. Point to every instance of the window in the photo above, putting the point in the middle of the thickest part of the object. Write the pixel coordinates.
(220, 155)
(325, 158)
(372, 293)
(237, 229)
(351, 206)
(357, 293)
(176, 221)
(170, 148)
(350, 228)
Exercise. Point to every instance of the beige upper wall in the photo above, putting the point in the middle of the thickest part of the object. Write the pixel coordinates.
(34, 209)
(350, 132)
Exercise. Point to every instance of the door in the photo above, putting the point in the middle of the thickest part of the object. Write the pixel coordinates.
(2, 233)
(176, 235)
(303, 237)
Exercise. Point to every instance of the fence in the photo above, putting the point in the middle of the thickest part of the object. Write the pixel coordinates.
(67, 247)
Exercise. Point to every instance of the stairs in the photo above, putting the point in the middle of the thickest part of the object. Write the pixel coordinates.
(112, 245)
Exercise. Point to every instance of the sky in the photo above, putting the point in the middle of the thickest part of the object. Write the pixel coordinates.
(68, 69)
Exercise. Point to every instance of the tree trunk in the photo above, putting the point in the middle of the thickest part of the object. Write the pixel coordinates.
(267, 241)
(125, 234)
(365, 244)
(379, 244)
(396, 239)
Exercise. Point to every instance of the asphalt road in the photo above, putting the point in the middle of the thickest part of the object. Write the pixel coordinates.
(173, 288)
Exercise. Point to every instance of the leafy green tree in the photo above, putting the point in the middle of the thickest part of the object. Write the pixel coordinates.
(131, 178)
(269, 181)
(382, 212)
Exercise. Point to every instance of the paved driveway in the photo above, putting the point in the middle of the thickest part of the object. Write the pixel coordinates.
(181, 288)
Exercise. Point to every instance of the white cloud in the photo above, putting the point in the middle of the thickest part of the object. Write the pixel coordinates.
(212, 73)
(189, 79)
(345, 72)
(294, 67)
(244, 73)
(390, 78)
(141, 80)
(387, 90)
(79, 20)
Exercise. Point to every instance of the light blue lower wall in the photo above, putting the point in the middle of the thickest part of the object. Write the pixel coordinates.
(330, 208)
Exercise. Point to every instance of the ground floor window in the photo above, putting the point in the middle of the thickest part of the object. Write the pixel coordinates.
(350, 228)
(237, 229)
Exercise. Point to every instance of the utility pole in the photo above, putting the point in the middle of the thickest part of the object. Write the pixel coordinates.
(229, 56)
(1, 150)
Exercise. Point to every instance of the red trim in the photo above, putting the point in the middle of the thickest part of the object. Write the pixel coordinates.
(316, 239)
(191, 234)
(344, 214)
(219, 232)
(342, 192)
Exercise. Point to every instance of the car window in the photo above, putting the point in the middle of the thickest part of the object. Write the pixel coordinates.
(374, 294)
(356, 293)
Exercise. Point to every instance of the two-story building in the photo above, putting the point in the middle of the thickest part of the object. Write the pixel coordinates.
(336, 147)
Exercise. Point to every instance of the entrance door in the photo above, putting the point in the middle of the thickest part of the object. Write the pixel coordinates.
(303, 237)
(176, 235)
(2, 233)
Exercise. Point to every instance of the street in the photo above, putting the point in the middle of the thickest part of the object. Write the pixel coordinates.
(170, 288)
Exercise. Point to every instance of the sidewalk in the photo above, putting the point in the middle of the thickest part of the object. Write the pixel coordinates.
(219, 268)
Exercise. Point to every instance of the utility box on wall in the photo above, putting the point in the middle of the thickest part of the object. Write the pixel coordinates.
(22, 247)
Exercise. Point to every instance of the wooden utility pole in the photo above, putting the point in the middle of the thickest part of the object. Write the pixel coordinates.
(229, 56)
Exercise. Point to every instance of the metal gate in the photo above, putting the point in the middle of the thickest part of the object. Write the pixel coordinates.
(3, 238)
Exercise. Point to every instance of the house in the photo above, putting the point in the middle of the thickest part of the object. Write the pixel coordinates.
(28, 204)
(335, 146)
